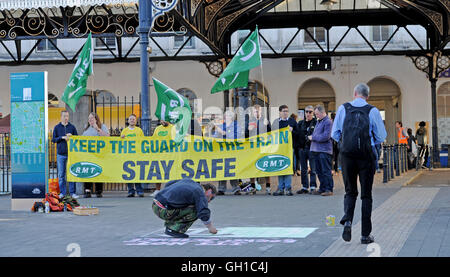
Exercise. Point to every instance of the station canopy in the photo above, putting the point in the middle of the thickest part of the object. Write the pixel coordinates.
(215, 21)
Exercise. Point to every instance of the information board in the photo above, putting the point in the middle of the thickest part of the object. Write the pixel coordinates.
(29, 135)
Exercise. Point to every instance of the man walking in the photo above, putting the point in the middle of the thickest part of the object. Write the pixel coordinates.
(132, 131)
(322, 151)
(180, 203)
(305, 129)
(284, 182)
(358, 127)
(61, 134)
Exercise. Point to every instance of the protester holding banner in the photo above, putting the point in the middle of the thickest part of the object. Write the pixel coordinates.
(132, 131)
(295, 145)
(230, 129)
(257, 125)
(94, 128)
(61, 134)
(284, 181)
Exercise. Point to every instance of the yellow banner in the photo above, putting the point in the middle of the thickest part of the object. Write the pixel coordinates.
(151, 160)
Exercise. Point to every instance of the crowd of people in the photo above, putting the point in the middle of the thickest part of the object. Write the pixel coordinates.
(349, 140)
(417, 145)
(316, 153)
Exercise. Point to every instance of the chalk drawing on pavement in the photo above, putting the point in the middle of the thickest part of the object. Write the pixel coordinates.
(227, 236)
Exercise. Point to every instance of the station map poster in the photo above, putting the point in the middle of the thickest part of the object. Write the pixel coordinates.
(29, 134)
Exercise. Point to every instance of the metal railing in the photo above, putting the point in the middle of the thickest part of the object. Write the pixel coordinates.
(5, 163)
(114, 113)
(396, 160)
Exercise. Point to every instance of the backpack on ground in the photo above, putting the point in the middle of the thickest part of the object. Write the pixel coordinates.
(37, 205)
(356, 141)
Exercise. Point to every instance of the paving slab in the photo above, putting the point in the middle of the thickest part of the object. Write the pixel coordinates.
(122, 220)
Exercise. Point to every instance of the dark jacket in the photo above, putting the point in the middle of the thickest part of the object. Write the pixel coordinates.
(280, 124)
(59, 132)
(305, 129)
(182, 193)
(321, 138)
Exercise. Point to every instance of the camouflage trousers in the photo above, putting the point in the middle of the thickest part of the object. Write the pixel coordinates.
(178, 220)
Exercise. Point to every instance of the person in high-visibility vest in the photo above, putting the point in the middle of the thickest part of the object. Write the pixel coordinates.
(401, 134)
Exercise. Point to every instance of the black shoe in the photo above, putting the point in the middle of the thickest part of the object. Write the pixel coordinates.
(238, 192)
(347, 234)
(367, 240)
(99, 195)
(141, 195)
(278, 192)
(302, 191)
(175, 234)
(87, 194)
(220, 193)
(289, 192)
(131, 195)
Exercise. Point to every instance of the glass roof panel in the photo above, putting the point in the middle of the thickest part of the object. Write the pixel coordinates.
(314, 5)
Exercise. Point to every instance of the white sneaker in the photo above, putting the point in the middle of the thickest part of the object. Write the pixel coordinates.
(75, 196)
(61, 195)
(154, 193)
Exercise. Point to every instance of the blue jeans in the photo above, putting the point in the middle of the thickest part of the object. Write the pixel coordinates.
(323, 170)
(61, 163)
(306, 155)
(138, 188)
(284, 182)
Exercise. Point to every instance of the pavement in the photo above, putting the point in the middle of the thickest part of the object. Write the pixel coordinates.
(408, 221)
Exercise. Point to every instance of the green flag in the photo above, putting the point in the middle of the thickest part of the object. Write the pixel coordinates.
(236, 74)
(76, 87)
(174, 108)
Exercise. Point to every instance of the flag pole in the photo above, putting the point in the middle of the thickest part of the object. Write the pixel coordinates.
(262, 77)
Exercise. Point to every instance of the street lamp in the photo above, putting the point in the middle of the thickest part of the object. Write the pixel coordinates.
(149, 10)
(328, 3)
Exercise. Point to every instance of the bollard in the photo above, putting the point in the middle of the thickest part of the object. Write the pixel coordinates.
(388, 159)
(391, 150)
(406, 159)
(431, 157)
(385, 165)
(401, 161)
(396, 160)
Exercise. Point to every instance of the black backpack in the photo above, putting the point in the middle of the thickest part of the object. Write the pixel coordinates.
(355, 141)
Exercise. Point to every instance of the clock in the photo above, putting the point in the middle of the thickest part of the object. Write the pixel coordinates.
(311, 64)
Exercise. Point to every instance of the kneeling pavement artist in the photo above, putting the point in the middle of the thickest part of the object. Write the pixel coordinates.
(181, 203)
